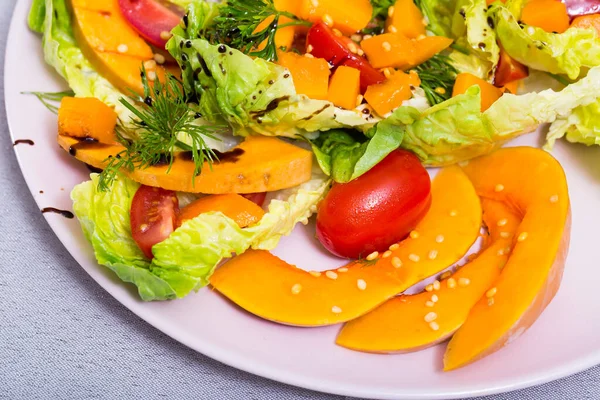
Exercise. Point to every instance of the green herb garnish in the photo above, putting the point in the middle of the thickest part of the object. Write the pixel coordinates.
(238, 22)
(161, 117)
(51, 99)
(437, 78)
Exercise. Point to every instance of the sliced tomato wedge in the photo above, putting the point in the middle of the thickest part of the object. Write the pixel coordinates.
(151, 19)
(257, 198)
(325, 44)
(153, 216)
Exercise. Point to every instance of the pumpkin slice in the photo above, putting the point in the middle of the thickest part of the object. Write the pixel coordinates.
(259, 164)
(399, 325)
(243, 211)
(87, 117)
(275, 290)
(533, 183)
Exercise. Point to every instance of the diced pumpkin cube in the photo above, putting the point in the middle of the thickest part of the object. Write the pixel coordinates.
(87, 117)
(549, 15)
(587, 22)
(398, 51)
(511, 87)
(344, 87)
(311, 75)
(284, 37)
(348, 16)
(489, 92)
(389, 95)
(406, 19)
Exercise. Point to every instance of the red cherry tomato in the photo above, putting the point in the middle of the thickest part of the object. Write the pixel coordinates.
(509, 70)
(153, 216)
(376, 210)
(325, 44)
(257, 198)
(150, 19)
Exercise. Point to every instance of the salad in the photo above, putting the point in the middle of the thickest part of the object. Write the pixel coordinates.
(215, 128)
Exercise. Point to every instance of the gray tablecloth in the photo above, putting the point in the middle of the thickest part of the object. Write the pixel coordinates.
(62, 336)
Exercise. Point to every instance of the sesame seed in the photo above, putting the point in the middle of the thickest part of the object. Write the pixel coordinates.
(391, 11)
(309, 48)
(296, 288)
(499, 187)
(386, 254)
(373, 256)
(367, 37)
(356, 37)
(436, 285)
(337, 33)
(491, 293)
(395, 246)
(429, 288)
(430, 317)
(143, 227)
(359, 99)
(328, 20)
(491, 302)
(387, 73)
(439, 238)
(353, 48)
(315, 3)
(308, 55)
(435, 298)
(440, 90)
(429, 304)
(151, 75)
(336, 310)
(453, 213)
(522, 236)
(331, 275)
(554, 199)
(530, 30)
(433, 254)
(414, 258)
(360, 52)
(386, 46)
(150, 64)
(451, 283)
(393, 29)
(446, 275)
(505, 235)
(434, 326)
(122, 48)
(316, 274)
(414, 234)
(501, 252)
(396, 262)
(464, 282)
(165, 35)
(361, 284)
(343, 269)
(159, 58)
(502, 222)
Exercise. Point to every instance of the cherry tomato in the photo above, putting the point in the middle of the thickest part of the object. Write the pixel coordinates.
(325, 44)
(153, 216)
(257, 198)
(377, 209)
(150, 19)
(509, 70)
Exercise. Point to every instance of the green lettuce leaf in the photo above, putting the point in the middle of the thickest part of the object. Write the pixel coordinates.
(570, 53)
(184, 261)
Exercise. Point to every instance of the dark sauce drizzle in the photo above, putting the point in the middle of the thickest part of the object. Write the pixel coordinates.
(227, 157)
(23, 141)
(64, 213)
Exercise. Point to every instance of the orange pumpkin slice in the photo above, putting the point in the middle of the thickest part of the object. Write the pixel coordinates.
(283, 293)
(259, 164)
(533, 183)
(400, 325)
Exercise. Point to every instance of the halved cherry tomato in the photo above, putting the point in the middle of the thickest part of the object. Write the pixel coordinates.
(257, 198)
(509, 70)
(376, 210)
(325, 44)
(150, 19)
(153, 216)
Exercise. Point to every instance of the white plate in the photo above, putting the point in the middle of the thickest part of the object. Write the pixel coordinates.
(564, 340)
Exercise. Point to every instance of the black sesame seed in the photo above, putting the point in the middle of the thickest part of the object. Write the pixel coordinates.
(231, 53)
(185, 20)
(184, 57)
(188, 44)
(222, 49)
(490, 22)
(148, 101)
(286, 76)
(197, 115)
(183, 67)
(271, 82)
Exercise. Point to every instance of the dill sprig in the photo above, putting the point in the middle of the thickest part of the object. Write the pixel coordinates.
(380, 14)
(238, 22)
(437, 78)
(51, 99)
(162, 116)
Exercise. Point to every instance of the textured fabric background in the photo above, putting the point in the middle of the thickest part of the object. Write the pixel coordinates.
(63, 337)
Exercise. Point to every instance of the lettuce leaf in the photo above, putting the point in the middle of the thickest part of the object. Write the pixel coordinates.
(570, 53)
(581, 126)
(184, 261)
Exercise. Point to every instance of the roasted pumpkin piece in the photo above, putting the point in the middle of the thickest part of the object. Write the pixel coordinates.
(283, 293)
(124, 71)
(244, 212)
(87, 117)
(411, 323)
(348, 16)
(259, 164)
(104, 6)
(397, 51)
(284, 37)
(489, 92)
(291, 6)
(310, 75)
(389, 95)
(344, 87)
(549, 15)
(534, 185)
(405, 18)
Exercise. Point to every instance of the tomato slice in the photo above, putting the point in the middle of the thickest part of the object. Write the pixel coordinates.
(509, 70)
(257, 198)
(325, 44)
(150, 19)
(153, 216)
